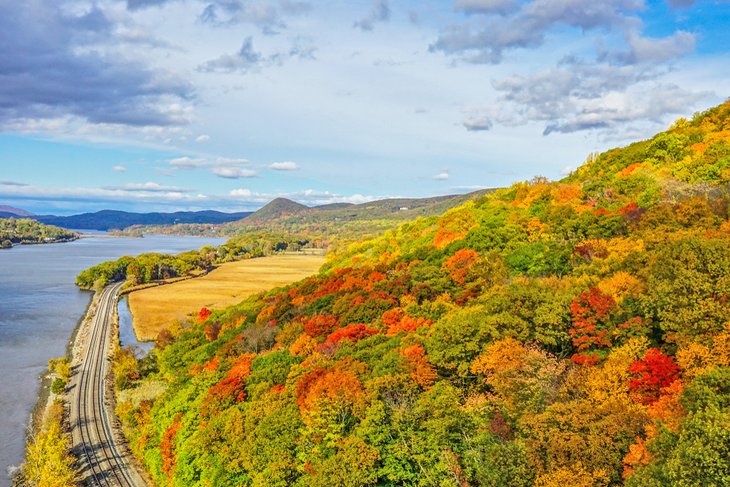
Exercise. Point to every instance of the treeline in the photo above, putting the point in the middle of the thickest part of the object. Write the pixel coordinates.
(150, 267)
(26, 231)
(550, 334)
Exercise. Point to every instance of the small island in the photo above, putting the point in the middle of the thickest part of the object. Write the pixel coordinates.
(15, 231)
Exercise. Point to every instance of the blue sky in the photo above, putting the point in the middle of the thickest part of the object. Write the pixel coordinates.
(225, 104)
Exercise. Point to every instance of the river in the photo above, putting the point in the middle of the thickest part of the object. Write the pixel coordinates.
(39, 308)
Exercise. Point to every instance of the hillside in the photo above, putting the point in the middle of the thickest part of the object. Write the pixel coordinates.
(570, 333)
(323, 225)
(7, 211)
(15, 231)
(275, 209)
(113, 219)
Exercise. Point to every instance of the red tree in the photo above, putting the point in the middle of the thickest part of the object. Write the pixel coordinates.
(353, 332)
(459, 264)
(320, 325)
(592, 326)
(203, 314)
(651, 374)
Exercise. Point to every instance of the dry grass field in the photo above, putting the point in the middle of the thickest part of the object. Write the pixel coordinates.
(155, 308)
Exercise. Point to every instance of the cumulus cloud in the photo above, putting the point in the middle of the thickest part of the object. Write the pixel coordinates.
(267, 15)
(442, 175)
(248, 59)
(477, 123)
(646, 50)
(284, 166)
(54, 69)
(119, 168)
(202, 138)
(232, 172)
(380, 12)
(583, 96)
(221, 166)
(187, 162)
(485, 38)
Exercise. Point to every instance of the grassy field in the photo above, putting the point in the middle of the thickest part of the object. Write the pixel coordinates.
(155, 308)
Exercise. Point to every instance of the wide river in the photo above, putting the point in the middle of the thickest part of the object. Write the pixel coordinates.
(39, 308)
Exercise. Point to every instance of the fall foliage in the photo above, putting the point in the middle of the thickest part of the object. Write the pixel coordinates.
(549, 333)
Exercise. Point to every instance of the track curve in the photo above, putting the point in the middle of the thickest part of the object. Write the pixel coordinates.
(95, 446)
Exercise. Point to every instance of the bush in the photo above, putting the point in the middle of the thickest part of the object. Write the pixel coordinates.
(58, 386)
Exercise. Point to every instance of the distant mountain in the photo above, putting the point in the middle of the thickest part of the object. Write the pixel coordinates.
(9, 211)
(346, 221)
(282, 210)
(277, 208)
(112, 219)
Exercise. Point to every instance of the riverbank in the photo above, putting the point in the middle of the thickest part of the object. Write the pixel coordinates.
(54, 241)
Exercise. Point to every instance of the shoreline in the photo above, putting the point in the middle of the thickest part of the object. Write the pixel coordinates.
(44, 401)
(46, 398)
(60, 240)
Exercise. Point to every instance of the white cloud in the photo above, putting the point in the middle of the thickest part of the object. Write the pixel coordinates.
(188, 162)
(202, 138)
(441, 176)
(231, 172)
(141, 192)
(149, 187)
(119, 168)
(241, 193)
(380, 12)
(311, 197)
(222, 167)
(477, 123)
(284, 166)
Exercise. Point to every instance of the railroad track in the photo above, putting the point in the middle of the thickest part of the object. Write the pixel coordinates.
(102, 464)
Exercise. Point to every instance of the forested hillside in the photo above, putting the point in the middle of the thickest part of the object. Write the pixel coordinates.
(570, 333)
(26, 231)
(323, 225)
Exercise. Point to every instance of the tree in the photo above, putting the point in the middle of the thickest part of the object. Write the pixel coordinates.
(651, 374)
(48, 462)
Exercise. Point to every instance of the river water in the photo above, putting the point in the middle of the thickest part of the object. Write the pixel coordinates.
(39, 308)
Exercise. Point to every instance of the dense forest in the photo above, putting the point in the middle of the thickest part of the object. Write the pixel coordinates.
(570, 333)
(26, 231)
(152, 266)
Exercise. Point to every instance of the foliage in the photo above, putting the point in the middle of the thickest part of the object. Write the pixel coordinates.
(550, 333)
(48, 461)
(27, 231)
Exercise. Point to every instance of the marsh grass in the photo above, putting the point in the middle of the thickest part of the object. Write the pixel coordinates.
(155, 308)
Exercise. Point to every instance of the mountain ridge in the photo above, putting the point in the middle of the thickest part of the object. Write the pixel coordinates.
(117, 219)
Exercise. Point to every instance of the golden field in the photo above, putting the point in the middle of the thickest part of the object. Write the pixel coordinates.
(155, 308)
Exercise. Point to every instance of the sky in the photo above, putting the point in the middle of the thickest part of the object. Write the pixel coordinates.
(165, 105)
